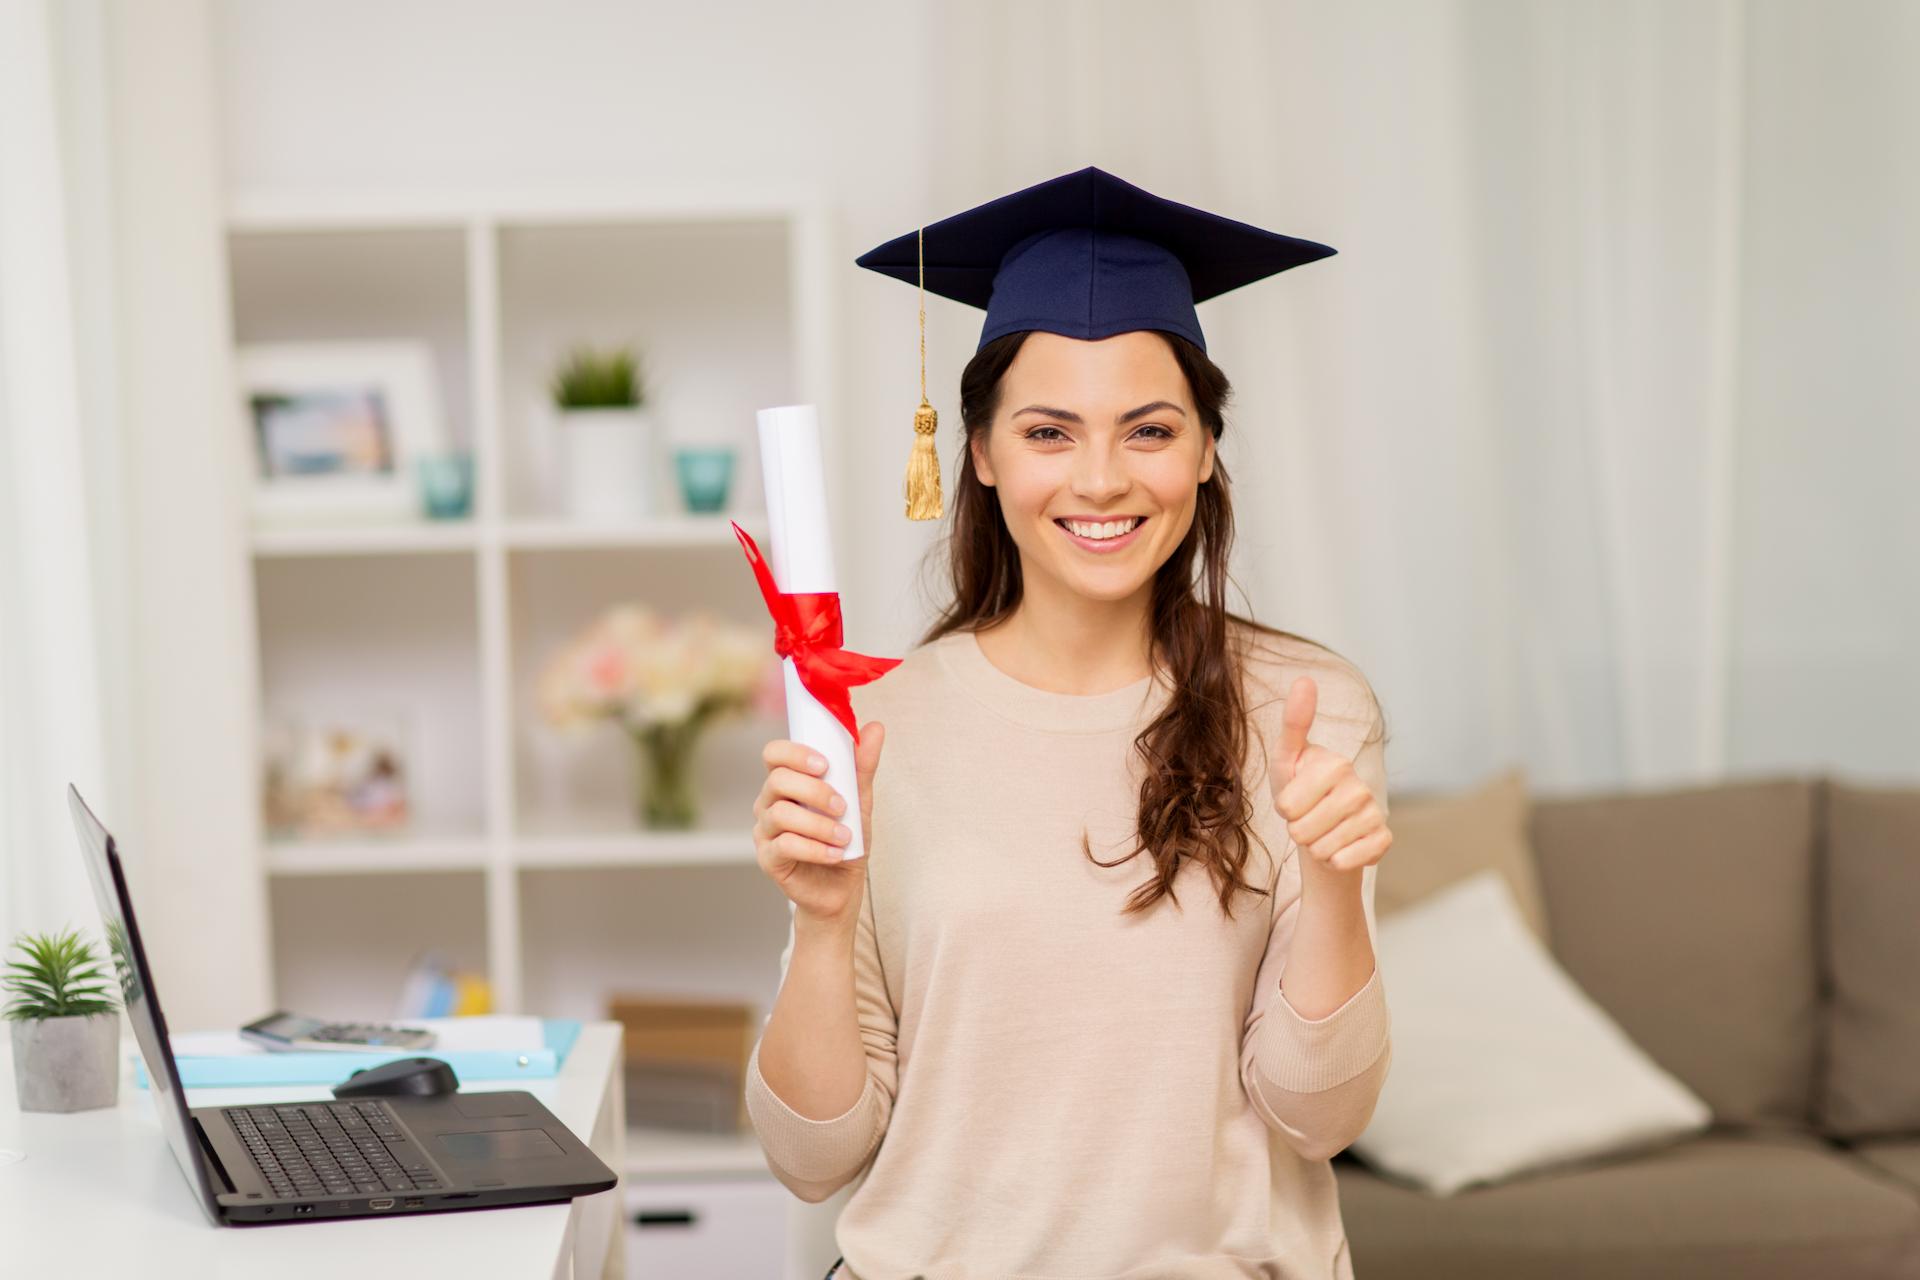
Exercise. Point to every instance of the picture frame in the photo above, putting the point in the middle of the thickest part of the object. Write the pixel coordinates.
(336, 428)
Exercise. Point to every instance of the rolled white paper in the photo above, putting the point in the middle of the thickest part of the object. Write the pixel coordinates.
(801, 556)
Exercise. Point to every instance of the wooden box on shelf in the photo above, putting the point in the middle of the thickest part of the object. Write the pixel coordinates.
(686, 1061)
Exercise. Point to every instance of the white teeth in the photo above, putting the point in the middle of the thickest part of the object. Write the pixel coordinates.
(1106, 529)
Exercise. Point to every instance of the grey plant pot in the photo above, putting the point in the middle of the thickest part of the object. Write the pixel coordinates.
(67, 1064)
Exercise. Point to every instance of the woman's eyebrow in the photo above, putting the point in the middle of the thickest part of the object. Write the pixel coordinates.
(1066, 416)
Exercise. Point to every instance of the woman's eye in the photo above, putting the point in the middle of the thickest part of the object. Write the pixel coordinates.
(1034, 434)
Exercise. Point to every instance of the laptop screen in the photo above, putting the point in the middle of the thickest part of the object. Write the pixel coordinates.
(136, 986)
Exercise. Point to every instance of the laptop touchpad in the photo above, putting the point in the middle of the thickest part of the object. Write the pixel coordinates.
(500, 1144)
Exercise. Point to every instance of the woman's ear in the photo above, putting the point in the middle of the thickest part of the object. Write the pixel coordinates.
(1206, 463)
(977, 443)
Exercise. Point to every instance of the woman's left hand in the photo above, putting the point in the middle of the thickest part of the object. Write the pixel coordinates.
(1331, 814)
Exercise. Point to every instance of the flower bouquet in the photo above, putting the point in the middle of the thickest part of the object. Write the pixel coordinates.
(663, 680)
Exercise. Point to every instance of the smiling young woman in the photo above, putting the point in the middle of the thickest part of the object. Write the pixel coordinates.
(1062, 611)
(1045, 1016)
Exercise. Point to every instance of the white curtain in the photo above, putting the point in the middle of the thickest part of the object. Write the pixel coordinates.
(1594, 444)
(57, 514)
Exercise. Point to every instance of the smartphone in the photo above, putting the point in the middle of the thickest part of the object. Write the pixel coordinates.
(289, 1031)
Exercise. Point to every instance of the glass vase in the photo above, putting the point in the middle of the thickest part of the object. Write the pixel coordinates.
(668, 801)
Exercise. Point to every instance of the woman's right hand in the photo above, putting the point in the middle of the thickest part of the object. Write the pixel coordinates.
(798, 824)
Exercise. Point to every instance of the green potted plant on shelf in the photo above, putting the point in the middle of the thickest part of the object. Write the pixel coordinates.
(607, 434)
(65, 1025)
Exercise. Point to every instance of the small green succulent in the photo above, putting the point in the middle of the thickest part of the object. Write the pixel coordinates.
(590, 379)
(60, 978)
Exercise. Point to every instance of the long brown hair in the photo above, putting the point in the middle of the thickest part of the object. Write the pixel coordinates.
(1193, 801)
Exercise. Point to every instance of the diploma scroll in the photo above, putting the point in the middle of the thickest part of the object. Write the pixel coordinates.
(802, 558)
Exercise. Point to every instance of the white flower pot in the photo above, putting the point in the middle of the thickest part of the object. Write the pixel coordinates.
(608, 463)
(67, 1064)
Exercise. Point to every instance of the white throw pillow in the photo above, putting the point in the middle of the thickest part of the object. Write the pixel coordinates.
(1502, 1065)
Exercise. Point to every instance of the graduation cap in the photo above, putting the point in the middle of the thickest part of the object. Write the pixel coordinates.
(1086, 255)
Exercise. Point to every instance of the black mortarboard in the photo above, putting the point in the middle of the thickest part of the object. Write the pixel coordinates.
(1084, 254)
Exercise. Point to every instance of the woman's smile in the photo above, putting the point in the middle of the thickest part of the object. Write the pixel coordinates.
(1106, 537)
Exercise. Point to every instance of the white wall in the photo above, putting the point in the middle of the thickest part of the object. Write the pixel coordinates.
(1827, 579)
(191, 826)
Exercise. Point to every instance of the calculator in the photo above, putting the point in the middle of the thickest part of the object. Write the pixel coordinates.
(281, 1030)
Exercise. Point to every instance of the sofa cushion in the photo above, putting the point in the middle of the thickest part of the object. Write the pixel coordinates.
(1898, 1157)
(1501, 1065)
(1754, 1205)
(1688, 914)
(1870, 1083)
(1440, 839)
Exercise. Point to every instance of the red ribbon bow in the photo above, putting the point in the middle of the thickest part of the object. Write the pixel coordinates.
(807, 628)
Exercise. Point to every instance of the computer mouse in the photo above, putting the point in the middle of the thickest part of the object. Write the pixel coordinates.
(403, 1077)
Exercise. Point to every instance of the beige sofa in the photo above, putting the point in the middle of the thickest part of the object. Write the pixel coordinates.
(1760, 939)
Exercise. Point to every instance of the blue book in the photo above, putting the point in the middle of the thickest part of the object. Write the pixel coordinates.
(330, 1067)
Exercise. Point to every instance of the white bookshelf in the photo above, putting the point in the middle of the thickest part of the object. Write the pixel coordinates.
(524, 859)
(454, 535)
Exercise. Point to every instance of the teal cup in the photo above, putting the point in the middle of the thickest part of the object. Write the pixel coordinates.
(706, 473)
(446, 485)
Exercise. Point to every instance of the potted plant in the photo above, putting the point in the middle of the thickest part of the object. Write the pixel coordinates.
(607, 434)
(663, 682)
(66, 1025)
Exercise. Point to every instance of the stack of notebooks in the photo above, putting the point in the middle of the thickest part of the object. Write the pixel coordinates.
(484, 1047)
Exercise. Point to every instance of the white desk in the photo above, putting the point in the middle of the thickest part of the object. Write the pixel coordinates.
(99, 1194)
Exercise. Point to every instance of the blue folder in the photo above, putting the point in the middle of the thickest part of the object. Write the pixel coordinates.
(330, 1067)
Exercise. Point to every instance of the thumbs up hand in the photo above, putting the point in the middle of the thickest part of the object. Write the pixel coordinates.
(1331, 814)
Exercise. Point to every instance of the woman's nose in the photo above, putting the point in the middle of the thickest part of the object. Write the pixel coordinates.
(1100, 474)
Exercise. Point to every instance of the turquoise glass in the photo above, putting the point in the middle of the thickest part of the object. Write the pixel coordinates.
(706, 473)
(446, 485)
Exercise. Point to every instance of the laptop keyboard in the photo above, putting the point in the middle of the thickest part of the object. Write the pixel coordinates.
(332, 1148)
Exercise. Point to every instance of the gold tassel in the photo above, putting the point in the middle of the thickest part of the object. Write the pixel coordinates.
(923, 465)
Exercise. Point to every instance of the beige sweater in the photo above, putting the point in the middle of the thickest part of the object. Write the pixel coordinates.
(1055, 1090)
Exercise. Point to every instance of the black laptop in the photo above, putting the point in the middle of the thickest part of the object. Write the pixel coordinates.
(337, 1158)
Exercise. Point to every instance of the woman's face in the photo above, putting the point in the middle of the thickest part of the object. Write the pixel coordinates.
(1089, 433)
